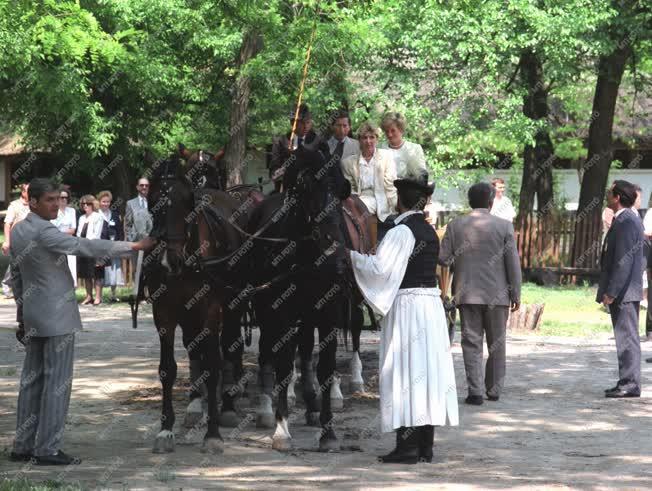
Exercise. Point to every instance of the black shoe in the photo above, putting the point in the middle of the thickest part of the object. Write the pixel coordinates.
(20, 457)
(407, 448)
(426, 437)
(621, 393)
(493, 398)
(59, 458)
(474, 400)
(648, 360)
(613, 389)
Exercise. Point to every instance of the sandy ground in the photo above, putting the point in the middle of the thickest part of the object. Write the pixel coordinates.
(552, 428)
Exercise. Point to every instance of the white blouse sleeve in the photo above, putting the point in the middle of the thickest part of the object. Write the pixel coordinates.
(380, 276)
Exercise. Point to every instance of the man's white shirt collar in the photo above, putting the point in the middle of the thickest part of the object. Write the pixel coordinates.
(402, 216)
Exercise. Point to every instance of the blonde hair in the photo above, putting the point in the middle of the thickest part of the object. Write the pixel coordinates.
(394, 118)
(368, 127)
(89, 198)
(103, 194)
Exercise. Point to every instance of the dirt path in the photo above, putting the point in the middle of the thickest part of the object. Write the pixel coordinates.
(551, 429)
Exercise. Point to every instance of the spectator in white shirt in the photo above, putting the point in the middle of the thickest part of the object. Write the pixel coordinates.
(17, 211)
(66, 222)
(408, 157)
(90, 227)
(502, 207)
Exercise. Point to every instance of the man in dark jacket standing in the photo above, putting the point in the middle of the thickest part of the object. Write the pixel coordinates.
(621, 287)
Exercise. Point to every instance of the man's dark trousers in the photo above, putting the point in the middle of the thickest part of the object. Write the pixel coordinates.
(624, 317)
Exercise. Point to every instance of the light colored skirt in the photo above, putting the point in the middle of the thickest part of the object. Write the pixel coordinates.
(72, 265)
(417, 378)
(113, 273)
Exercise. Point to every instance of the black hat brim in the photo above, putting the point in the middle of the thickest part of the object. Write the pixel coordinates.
(426, 189)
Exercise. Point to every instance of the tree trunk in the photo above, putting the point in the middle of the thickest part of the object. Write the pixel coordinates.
(537, 162)
(537, 159)
(236, 147)
(595, 171)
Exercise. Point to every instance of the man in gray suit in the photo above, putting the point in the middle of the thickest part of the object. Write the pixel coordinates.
(48, 317)
(136, 211)
(481, 249)
(621, 285)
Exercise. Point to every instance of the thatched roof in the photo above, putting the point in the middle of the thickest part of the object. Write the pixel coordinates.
(9, 144)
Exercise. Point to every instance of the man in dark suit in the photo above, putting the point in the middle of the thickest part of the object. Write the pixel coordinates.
(621, 285)
(282, 148)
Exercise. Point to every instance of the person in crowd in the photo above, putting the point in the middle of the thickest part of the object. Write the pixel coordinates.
(138, 221)
(283, 146)
(486, 284)
(114, 231)
(417, 378)
(90, 269)
(647, 229)
(371, 173)
(18, 209)
(48, 318)
(637, 208)
(502, 207)
(409, 158)
(66, 222)
(340, 144)
(620, 286)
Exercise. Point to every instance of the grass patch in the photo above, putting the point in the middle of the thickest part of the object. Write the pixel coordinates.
(25, 484)
(122, 294)
(571, 310)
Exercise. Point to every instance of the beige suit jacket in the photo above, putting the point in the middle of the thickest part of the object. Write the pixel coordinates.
(384, 177)
(482, 251)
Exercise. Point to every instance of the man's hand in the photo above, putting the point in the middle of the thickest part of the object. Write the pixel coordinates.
(20, 334)
(144, 244)
(515, 305)
(5, 248)
(607, 300)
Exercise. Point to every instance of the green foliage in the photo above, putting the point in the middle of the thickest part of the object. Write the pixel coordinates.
(101, 78)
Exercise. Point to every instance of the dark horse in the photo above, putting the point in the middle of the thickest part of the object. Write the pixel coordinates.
(180, 291)
(295, 250)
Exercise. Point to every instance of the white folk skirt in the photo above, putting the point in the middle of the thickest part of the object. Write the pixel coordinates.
(417, 378)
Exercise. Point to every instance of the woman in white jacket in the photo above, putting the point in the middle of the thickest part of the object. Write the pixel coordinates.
(371, 173)
(408, 157)
(90, 226)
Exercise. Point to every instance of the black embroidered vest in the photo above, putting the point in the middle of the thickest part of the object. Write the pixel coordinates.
(420, 272)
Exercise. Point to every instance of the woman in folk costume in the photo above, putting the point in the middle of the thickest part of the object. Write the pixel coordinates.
(417, 379)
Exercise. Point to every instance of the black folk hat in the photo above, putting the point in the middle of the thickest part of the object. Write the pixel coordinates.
(418, 182)
(304, 113)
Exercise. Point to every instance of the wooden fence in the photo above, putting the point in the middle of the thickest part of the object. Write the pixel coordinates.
(545, 243)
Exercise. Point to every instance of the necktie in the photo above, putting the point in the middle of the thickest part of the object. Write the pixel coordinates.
(299, 141)
(339, 150)
(143, 205)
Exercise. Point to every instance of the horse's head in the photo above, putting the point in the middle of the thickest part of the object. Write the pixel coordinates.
(205, 169)
(171, 204)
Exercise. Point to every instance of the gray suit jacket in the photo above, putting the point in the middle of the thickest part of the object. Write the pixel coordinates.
(138, 221)
(622, 263)
(41, 279)
(482, 251)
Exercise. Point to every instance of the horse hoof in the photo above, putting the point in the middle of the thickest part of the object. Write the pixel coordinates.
(192, 419)
(337, 404)
(230, 419)
(265, 420)
(356, 387)
(213, 446)
(194, 413)
(164, 442)
(329, 444)
(282, 444)
(312, 419)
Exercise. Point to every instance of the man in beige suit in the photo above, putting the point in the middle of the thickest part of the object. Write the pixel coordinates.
(486, 283)
(371, 173)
